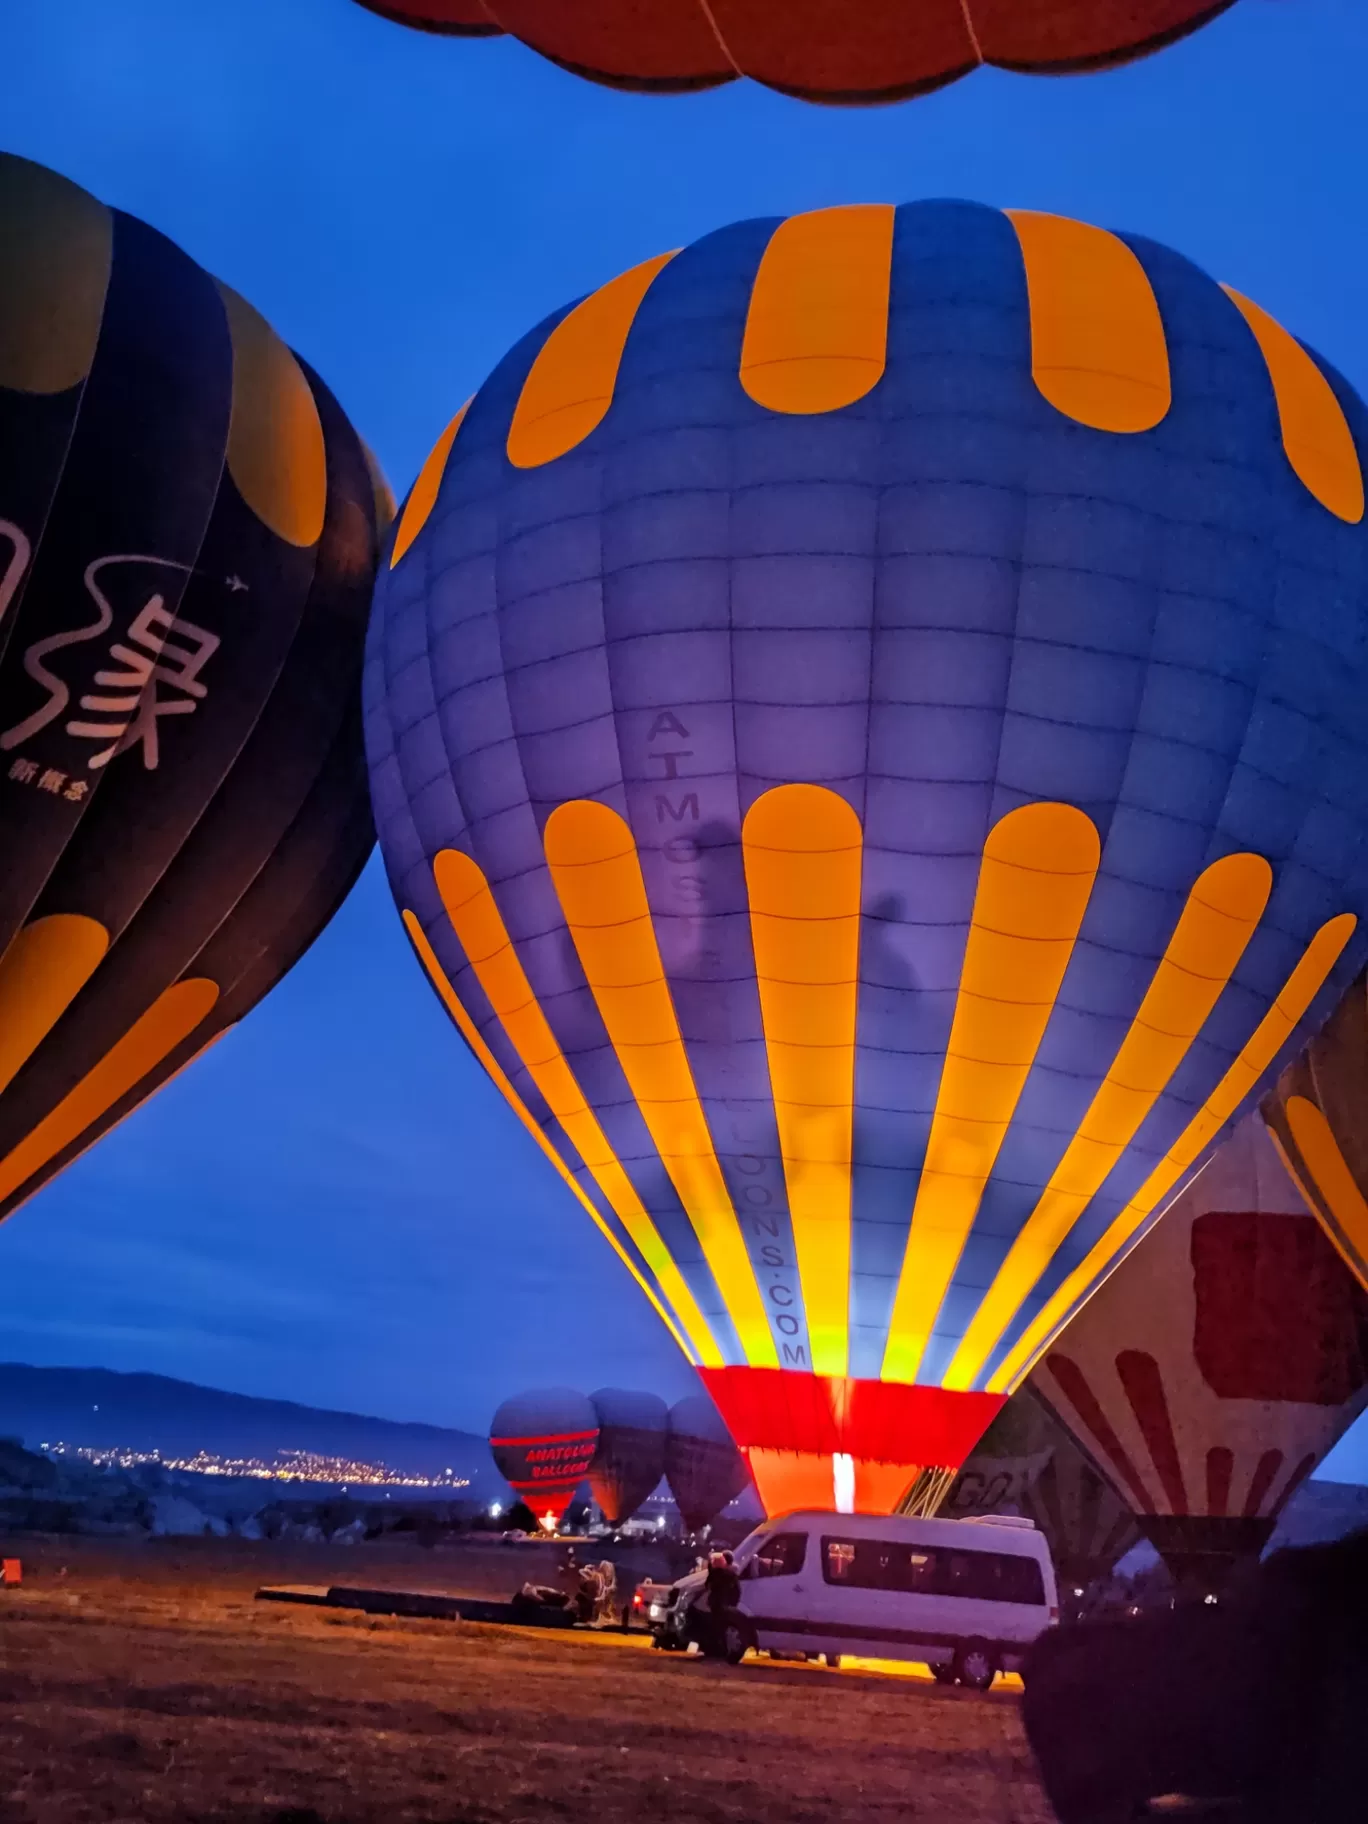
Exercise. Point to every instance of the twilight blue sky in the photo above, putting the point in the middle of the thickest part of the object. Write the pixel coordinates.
(334, 1205)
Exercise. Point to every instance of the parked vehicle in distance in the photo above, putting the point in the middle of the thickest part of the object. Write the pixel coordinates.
(966, 1597)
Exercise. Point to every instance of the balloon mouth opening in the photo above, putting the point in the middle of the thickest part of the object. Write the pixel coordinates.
(842, 1445)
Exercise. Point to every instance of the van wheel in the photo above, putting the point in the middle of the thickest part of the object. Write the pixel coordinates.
(737, 1640)
(976, 1665)
(833, 1660)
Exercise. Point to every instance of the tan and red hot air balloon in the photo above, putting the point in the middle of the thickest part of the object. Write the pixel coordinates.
(1220, 1362)
(817, 50)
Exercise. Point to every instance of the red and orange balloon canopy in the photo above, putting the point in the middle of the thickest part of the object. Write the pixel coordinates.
(819, 50)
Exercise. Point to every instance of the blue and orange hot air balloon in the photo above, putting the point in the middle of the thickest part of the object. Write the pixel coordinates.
(865, 722)
(189, 529)
(818, 50)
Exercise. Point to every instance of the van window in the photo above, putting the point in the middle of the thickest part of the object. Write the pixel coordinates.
(781, 1556)
(885, 1564)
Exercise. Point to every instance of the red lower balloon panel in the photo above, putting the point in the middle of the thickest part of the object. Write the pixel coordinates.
(545, 1471)
(826, 1441)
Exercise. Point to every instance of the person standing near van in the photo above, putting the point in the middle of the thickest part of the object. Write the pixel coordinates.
(721, 1598)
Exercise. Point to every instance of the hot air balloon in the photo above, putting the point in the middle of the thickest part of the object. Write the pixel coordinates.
(865, 719)
(188, 536)
(1315, 1113)
(1026, 1463)
(542, 1444)
(1220, 1363)
(1009, 1457)
(630, 1458)
(819, 50)
(705, 1470)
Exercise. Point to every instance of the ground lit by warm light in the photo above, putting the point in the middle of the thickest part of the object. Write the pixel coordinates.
(143, 1681)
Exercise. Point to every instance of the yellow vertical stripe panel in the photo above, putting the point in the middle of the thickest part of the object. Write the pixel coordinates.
(42, 972)
(817, 327)
(479, 926)
(1098, 349)
(597, 876)
(423, 494)
(1315, 432)
(1039, 865)
(1260, 1049)
(570, 385)
(471, 1034)
(171, 1018)
(1221, 915)
(803, 849)
(1330, 1175)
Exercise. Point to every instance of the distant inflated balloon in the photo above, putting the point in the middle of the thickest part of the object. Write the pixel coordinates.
(867, 730)
(819, 50)
(1219, 1364)
(1318, 1113)
(704, 1468)
(542, 1444)
(188, 536)
(630, 1459)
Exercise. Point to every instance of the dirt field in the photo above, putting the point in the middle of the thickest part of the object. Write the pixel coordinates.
(145, 1683)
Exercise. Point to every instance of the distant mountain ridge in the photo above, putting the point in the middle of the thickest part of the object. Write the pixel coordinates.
(99, 1408)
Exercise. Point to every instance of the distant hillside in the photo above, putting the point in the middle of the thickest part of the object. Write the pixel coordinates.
(1322, 1510)
(150, 1412)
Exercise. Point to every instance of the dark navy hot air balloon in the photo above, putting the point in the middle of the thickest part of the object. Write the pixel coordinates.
(705, 1470)
(188, 536)
(542, 1444)
(866, 730)
(630, 1458)
(819, 50)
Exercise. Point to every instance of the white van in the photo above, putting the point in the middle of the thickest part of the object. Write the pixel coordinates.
(966, 1597)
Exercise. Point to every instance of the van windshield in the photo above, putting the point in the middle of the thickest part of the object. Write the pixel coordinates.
(886, 1564)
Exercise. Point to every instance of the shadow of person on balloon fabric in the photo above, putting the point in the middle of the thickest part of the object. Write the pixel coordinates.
(1254, 1707)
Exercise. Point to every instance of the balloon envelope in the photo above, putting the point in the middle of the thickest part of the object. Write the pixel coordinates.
(1315, 1113)
(820, 50)
(704, 1468)
(1220, 1362)
(865, 719)
(1027, 1464)
(188, 537)
(542, 1443)
(630, 1458)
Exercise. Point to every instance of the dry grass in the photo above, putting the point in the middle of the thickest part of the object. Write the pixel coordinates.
(146, 1684)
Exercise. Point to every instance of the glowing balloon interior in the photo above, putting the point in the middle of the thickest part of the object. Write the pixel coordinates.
(865, 723)
(189, 530)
